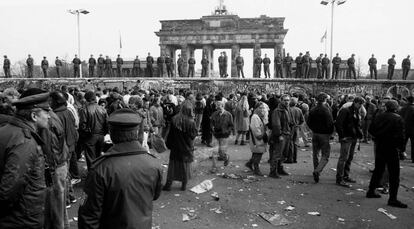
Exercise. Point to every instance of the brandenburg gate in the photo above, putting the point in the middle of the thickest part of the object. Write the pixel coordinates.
(221, 31)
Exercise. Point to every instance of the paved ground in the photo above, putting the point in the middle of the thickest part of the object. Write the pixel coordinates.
(242, 199)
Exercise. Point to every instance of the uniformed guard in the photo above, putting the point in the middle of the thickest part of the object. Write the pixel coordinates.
(298, 62)
(325, 66)
(225, 62)
(92, 64)
(306, 64)
(351, 66)
(336, 62)
(150, 62)
(406, 65)
(58, 64)
(124, 181)
(191, 63)
(6, 67)
(221, 64)
(136, 67)
(44, 65)
(76, 66)
(108, 66)
(29, 63)
(287, 61)
(180, 64)
(257, 66)
(240, 65)
(160, 65)
(204, 66)
(169, 65)
(318, 62)
(372, 62)
(22, 164)
(119, 63)
(101, 65)
(266, 63)
(391, 66)
(278, 66)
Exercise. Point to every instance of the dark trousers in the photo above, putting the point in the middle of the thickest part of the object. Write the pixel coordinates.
(257, 70)
(318, 71)
(320, 142)
(204, 71)
(405, 73)
(58, 72)
(335, 72)
(351, 70)
(91, 71)
(279, 151)
(180, 71)
(386, 157)
(108, 72)
(373, 71)
(135, 71)
(288, 68)
(298, 70)
(390, 72)
(169, 71)
(6, 72)
(365, 127)
(150, 70)
(266, 71)
(73, 166)
(411, 138)
(279, 71)
(29, 72)
(345, 159)
(160, 71)
(100, 71)
(190, 71)
(93, 148)
(240, 70)
(292, 148)
(325, 72)
(119, 71)
(76, 72)
(305, 70)
(44, 73)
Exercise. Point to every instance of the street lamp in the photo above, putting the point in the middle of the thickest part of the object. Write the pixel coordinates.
(77, 13)
(326, 2)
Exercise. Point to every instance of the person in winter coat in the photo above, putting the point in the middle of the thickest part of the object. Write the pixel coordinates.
(241, 120)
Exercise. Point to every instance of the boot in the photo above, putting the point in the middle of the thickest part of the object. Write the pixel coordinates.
(256, 170)
(167, 186)
(281, 170)
(273, 172)
(183, 185)
(249, 164)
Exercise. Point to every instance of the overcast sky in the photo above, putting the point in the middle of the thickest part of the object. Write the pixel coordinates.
(45, 28)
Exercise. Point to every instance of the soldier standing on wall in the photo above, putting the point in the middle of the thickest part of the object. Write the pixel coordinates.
(76, 66)
(180, 63)
(266, 63)
(225, 61)
(298, 62)
(204, 65)
(318, 62)
(44, 65)
(257, 66)
(351, 66)
(92, 63)
(325, 66)
(150, 62)
(136, 67)
(29, 63)
(6, 67)
(278, 66)
(306, 64)
(160, 65)
(287, 61)
(119, 63)
(372, 62)
(108, 67)
(221, 64)
(336, 62)
(169, 65)
(59, 65)
(406, 65)
(391, 66)
(101, 65)
(240, 65)
(191, 63)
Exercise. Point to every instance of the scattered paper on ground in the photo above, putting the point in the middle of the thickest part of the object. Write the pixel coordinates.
(391, 216)
(314, 213)
(274, 218)
(203, 187)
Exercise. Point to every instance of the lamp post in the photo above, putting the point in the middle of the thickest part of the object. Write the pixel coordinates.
(77, 13)
(326, 2)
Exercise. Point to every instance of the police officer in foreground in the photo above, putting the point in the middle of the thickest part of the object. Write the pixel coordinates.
(406, 65)
(266, 63)
(336, 62)
(180, 65)
(92, 63)
(191, 63)
(58, 64)
(76, 66)
(351, 66)
(6, 67)
(325, 66)
(240, 65)
(122, 183)
(204, 66)
(298, 62)
(108, 67)
(22, 165)
(169, 65)
(257, 66)
(44, 65)
(150, 62)
(306, 65)
(318, 62)
(391, 67)
(160, 65)
(372, 62)
(101, 65)
(119, 63)
(29, 63)
(287, 61)
(388, 132)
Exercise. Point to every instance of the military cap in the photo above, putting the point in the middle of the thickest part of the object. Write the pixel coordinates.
(124, 119)
(33, 98)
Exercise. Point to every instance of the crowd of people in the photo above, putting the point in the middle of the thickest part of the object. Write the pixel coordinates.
(43, 135)
(103, 67)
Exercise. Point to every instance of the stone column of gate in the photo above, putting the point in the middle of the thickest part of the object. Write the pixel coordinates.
(235, 51)
(278, 49)
(208, 51)
(257, 51)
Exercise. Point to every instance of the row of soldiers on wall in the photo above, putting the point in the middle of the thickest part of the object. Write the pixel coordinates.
(103, 66)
